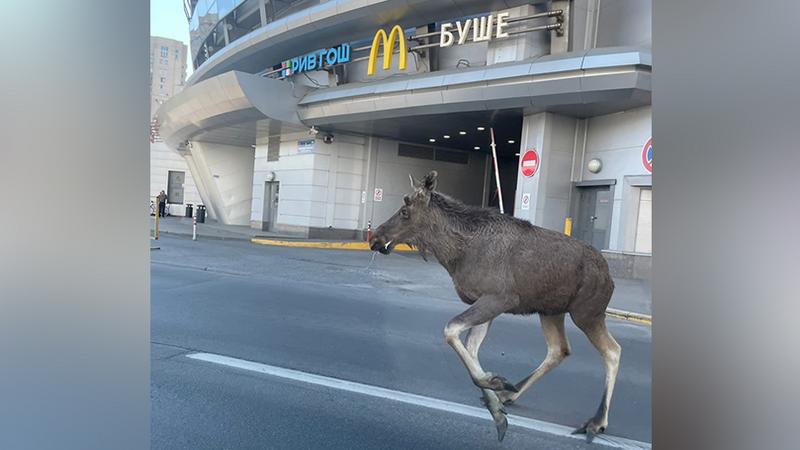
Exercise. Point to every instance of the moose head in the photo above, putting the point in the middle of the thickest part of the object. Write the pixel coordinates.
(410, 220)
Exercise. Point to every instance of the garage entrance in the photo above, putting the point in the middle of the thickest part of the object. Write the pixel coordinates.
(447, 141)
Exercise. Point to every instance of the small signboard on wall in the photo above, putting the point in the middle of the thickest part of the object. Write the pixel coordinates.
(526, 201)
(378, 195)
(305, 146)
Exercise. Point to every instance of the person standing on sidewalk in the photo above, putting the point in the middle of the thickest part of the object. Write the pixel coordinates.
(162, 203)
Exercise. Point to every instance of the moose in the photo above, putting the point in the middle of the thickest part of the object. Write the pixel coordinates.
(500, 264)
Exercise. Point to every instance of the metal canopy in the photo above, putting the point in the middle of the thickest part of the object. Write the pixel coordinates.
(226, 109)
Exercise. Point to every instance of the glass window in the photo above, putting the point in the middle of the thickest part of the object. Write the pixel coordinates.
(226, 6)
(212, 7)
(164, 52)
(201, 8)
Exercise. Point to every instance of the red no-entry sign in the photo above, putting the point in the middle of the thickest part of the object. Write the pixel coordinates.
(530, 163)
(647, 155)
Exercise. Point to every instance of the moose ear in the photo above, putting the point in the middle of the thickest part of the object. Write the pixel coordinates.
(429, 182)
(414, 183)
(407, 200)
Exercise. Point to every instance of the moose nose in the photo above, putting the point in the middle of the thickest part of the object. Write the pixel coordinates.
(376, 244)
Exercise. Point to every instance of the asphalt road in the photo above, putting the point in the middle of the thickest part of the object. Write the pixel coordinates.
(379, 323)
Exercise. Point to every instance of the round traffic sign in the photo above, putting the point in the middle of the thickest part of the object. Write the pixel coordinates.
(530, 163)
(647, 155)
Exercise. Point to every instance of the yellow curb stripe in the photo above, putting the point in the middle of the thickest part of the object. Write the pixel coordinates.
(630, 318)
(325, 244)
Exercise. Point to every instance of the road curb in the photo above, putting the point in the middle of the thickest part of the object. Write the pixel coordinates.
(629, 315)
(331, 245)
(205, 236)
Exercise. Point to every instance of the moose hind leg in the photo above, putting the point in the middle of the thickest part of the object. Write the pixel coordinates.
(557, 351)
(610, 351)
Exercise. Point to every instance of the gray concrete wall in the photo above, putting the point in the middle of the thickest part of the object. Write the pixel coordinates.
(610, 23)
(617, 140)
(462, 181)
(553, 137)
(624, 23)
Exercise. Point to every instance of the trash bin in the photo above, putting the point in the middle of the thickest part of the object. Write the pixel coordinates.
(201, 214)
(188, 210)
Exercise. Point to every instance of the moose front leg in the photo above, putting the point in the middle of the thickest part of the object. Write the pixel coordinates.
(477, 319)
(481, 312)
(490, 398)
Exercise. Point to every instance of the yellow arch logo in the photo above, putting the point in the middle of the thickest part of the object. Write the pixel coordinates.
(388, 49)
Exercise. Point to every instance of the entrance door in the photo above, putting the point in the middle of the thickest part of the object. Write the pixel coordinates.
(270, 214)
(175, 187)
(594, 215)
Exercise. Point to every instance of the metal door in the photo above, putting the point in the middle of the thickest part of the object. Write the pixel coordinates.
(594, 215)
(271, 196)
(175, 181)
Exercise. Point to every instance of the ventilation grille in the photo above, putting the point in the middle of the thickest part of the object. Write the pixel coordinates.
(415, 151)
(431, 154)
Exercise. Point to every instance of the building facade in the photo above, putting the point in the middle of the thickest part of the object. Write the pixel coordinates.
(168, 170)
(306, 117)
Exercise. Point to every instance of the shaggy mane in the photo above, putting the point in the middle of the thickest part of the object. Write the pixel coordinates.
(466, 217)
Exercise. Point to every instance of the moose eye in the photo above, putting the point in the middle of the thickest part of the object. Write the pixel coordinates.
(404, 213)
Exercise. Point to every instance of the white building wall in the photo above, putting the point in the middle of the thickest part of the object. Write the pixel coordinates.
(617, 140)
(225, 174)
(317, 190)
(162, 160)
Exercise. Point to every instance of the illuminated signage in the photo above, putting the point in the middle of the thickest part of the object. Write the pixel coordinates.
(479, 29)
(466, 31)
(397, 34)
(482, 29)
(317, 60)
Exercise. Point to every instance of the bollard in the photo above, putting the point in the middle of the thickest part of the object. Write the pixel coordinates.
(568, 226)
(369, 230)
(155, 230)
(194, 228)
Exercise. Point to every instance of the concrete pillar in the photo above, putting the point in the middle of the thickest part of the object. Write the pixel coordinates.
(224, 176)
(552, 136)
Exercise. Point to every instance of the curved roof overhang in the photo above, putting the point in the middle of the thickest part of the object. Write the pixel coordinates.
(229, 108)
(579, 84)
(330, 23)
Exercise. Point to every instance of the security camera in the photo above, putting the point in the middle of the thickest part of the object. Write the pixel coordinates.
(328, 138)
(313, 131)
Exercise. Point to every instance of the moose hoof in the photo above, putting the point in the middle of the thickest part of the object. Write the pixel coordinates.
(501, 422)
(591, 428)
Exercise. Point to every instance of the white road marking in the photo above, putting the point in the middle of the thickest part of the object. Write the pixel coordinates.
(413, 399)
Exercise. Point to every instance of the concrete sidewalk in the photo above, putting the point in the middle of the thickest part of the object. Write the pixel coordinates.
(182, 226)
